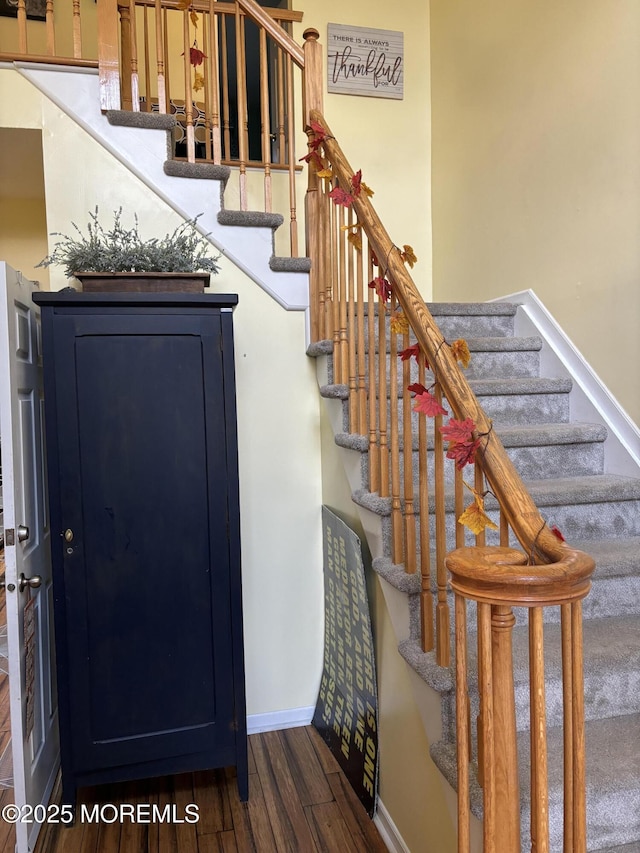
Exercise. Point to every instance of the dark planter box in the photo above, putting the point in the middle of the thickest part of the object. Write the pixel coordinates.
(136, 282)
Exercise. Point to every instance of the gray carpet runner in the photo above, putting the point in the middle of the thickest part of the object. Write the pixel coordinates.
(562, 463)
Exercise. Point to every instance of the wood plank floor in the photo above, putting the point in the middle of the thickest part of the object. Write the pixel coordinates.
(299, 802)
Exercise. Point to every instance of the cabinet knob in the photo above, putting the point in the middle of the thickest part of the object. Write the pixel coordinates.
(68, 535)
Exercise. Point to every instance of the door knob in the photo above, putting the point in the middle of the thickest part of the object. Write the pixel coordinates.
(33, 582)
(23, 533)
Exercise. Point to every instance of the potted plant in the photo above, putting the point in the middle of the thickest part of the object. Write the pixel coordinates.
(119, 259)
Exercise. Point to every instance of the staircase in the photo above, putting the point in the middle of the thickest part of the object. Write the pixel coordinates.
(563, 465)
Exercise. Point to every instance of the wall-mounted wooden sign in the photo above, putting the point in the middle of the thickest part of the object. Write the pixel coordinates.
(363, 61)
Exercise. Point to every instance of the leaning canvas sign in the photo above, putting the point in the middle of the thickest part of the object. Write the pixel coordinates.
(363, 61)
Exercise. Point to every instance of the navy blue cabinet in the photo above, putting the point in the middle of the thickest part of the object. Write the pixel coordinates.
(143, 487)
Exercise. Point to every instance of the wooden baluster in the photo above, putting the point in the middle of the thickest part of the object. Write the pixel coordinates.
(351, 331)
(147, 61)
(242, 106)
(214, 84)
(579, 782)
(77, 30)
(410, 545)
(361, 368)
(281, 102)
(207, 73)
(486, 720)
(505, 757)
(22, 26)
(374, 398)
(479, 487)
(135, 93)
(265, 130)
(291, 151)
(108, 55)
(383, 404)
(442, 609)
(567, 709)
(463, 739)
(167, 65)
(51, 34)
(314, 235)
(539, 793)
(342, 315)
(336, 291)
(226, 121)
(396, 507)
(125, 34)
(188, 94)
(459, 504)
(426, 596)
(325, 324)
(160, 48)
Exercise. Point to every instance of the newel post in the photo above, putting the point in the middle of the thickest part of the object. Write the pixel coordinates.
(315, 227)
(108, 66)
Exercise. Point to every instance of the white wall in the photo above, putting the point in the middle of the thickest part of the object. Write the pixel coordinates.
(278, 413)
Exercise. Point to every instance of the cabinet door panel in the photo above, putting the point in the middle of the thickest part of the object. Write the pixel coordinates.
(143, 485)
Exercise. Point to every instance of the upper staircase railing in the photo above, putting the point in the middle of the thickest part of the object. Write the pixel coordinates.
(386, 348)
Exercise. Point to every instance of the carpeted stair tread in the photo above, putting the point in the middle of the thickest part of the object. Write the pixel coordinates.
(613, 781)
(282, 264)
(425, 665)
(625, 848)
(503, 343)
(206, 171)
(561, 491)
(484, 387)
(611, 669)
(250, 218)
(530, 435)
(149, 121)
(617, 557)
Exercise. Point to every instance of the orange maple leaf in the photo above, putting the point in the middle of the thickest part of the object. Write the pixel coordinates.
(460, 350)
(475, 518)
(356, 240)
(198, 82)
(366, 190)
(323, 173)
(408, 256)
(194, 18)
(399, 323)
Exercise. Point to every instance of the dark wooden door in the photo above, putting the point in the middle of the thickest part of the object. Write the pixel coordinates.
(143, 486)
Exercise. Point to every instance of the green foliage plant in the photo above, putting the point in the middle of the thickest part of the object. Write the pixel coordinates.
(121, 249)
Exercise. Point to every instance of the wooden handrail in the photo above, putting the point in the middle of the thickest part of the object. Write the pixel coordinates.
(538, 541)
(261, 17)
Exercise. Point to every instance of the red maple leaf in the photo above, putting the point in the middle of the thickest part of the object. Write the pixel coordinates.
(557, 534)
(319, 131)
(317, 159)
(381, 287)
(410, 352)
(356, 180)
(427, 405)
(196, 56)
(340, 196)
(414, 352)
(458, 431)
(417, 388)
(463, 452)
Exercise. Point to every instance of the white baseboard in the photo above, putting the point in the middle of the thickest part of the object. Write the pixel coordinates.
(275, 720)
(389, 831)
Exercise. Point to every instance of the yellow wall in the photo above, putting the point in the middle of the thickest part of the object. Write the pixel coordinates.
(536, 173)
(410, 785)
(389, 140)
(278, 413)
(63, 27)
(23, 236)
